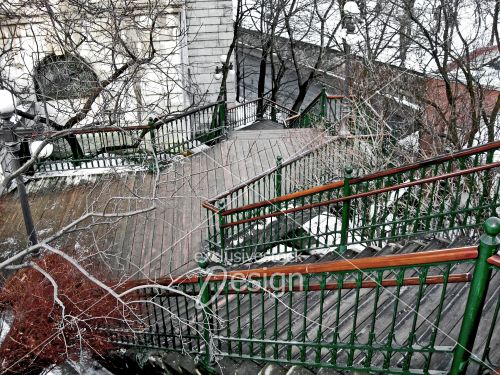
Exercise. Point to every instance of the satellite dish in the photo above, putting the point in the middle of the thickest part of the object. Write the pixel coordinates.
(46, 151)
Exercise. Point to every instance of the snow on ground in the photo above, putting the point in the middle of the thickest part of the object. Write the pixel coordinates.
(105, 164)
(9, 241)
(411, 142)
(85, 366)
(5, 323)
(280, 253)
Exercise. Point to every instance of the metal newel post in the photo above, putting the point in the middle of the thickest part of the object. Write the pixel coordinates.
(222, 221)
(323, 102)
(279, 176)
(12, 145)
(345, 210)
(273, 112)
(206, 362)
(222, 116)
(489, 244)
(260, 109)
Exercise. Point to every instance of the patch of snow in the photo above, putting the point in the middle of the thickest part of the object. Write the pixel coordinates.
(202, 147)
(85, 366)
(53, 371)
(411, 142)
(5, 323)
(9, 241)
(43, 232)
(279, 253)
(63, 170)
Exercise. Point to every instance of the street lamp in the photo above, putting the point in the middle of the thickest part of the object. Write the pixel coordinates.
(222, 72)
(7, 109)
(351, 13)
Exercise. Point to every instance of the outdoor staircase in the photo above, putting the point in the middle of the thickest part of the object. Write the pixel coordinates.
(358, 308)
(366, 288)
(379, 296)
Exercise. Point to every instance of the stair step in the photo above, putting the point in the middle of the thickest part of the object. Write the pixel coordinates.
(462, 241)
(436, 243)
(369, 251)
(247, 367)
(299, 370)
(227, 366)
(182, 363)
(410, 248)
(272, 369)
(389, 249)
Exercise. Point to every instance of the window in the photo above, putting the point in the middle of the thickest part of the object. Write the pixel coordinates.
(64, 77)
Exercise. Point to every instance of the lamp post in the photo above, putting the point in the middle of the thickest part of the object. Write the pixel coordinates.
(351, 12)
(7, 108)
(223, 72)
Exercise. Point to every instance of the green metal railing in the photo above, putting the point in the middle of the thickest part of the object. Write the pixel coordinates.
(393, 314)
(262, 108)
(132, 145)
(341, 115)
(318, 165)
(324, 111)
(451, 194)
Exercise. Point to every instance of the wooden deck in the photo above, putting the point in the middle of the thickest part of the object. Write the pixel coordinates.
(164, 240)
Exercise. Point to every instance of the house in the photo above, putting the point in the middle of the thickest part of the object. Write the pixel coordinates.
(471, 103)
(97, 65)
(140, 59)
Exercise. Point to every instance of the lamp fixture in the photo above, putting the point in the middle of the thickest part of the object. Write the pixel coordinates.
(8, 104)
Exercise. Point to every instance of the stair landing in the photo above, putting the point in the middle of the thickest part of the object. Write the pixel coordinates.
(166, 239)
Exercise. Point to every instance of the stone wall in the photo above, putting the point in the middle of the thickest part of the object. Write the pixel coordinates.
(210, 32)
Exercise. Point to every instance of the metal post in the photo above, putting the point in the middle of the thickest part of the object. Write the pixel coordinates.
(12, 146)
(222, 119)
(207, 361)
(489, 244)
(277, 187)
(260, 109)
(151, 124)
(222, 221)
(323, 102)
(345, 210)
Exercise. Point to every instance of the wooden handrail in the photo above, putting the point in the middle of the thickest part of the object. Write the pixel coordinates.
(357, 264)
(386, 283)
(313, 102)
(494, 260)
(115, 129)
(369, 177)
(209, 206)
(355, 196)
(292, 117)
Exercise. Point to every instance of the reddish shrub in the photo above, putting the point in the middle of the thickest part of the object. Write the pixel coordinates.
(38, 336)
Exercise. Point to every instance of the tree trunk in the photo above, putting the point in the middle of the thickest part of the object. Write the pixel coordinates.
(303, 88)
(261, 86)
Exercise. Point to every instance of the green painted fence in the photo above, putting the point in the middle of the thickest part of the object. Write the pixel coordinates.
(451, 194)
(144, 145)
(398, 314)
